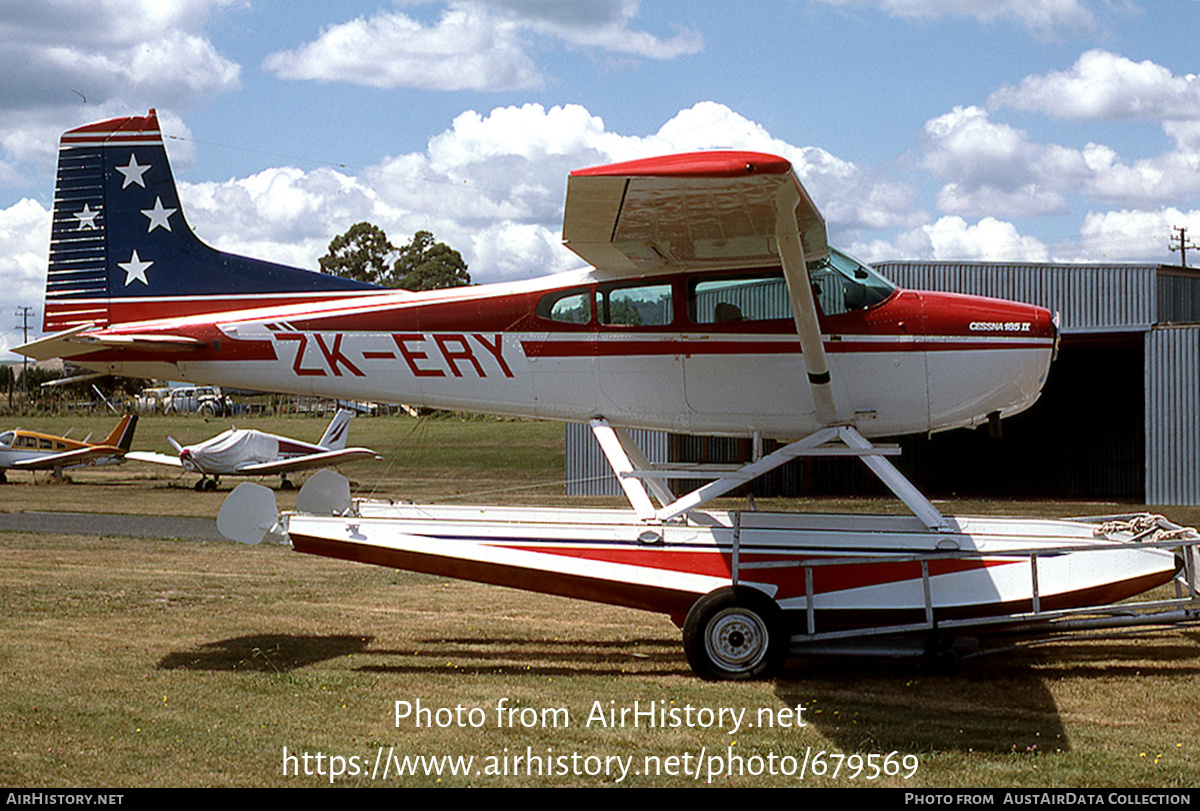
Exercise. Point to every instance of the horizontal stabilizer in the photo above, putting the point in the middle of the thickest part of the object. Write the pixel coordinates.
(85, 339)
(58, 345)
(156, 342)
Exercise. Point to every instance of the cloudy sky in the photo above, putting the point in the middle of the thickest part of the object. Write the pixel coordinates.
(1036, 130)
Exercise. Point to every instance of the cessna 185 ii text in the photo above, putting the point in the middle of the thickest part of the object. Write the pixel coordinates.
(249, 452)
(30, 450)
(713, 305)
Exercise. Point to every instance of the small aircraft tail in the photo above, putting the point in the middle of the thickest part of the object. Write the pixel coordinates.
(122, 251)
(335, 434)
(122, 435)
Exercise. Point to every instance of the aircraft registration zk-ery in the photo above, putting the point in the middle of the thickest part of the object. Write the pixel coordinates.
(713, 305)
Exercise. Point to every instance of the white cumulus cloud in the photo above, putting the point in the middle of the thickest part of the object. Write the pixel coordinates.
(492, 186)
(1105, 86)
(989, 239)
(1042, 16)
(24, 246)
(993, 168)
(1129, 235)
(472, 46)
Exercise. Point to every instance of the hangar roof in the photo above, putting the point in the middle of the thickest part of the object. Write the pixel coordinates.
(1090, 298)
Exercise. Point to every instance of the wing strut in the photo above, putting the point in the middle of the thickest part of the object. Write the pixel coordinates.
(636, 474)
(804, 307)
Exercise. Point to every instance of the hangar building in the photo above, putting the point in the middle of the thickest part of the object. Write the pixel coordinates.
(1119, 417)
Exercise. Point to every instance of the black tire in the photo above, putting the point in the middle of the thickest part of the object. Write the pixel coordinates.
(735, 634)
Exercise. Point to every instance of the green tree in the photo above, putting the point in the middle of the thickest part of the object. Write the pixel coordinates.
(363, 253)
(366, 254)
(424, 264)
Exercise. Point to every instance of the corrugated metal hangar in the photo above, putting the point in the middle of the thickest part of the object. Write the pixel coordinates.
(1119, 417)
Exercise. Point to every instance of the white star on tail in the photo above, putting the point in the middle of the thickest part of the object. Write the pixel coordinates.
(135, 268)
(87, 217)
(133, 172)
(158, 215)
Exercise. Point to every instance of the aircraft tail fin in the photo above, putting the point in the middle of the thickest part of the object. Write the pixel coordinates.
(122, 251)
(122, 435)
(335, 435)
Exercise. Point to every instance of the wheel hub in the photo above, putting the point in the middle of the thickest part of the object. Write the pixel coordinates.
(737, 640)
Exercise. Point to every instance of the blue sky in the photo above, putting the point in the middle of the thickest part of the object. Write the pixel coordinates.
(1026, 130)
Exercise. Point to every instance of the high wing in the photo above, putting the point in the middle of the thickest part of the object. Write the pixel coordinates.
(305, 462)
(690, 211)
(704, 210)
(79, 456)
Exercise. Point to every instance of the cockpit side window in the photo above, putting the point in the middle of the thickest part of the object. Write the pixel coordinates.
(843, 284)
(762, 297)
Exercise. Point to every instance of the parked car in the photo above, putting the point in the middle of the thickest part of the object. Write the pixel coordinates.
(205, 400)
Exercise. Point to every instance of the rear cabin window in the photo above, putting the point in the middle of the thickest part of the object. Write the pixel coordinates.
(647, 305)
(570, 307)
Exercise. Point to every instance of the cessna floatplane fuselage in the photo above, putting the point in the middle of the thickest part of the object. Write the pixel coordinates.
(713, 305)
(687, 321)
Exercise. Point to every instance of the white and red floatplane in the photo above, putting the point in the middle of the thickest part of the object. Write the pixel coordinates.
(713, 305)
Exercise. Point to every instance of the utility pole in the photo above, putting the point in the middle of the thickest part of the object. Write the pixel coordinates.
(1183, 245)
(24, 313)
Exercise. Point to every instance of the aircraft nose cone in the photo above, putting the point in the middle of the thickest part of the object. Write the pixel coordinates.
(956, 314)
(185, 458)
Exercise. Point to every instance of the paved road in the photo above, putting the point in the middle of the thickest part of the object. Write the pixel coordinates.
(130, 526)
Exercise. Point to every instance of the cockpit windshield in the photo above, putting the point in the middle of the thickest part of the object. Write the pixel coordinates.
(6, 439)
(843, 284)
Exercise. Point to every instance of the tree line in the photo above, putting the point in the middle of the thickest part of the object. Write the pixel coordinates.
(365, 253)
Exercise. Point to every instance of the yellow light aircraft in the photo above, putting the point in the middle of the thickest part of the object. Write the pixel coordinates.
(31, 450)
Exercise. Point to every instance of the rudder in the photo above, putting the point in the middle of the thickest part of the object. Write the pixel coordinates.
(339, 427)
(122, 435)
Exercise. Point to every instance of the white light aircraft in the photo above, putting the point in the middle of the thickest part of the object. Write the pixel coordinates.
(713, 305)
(249, 452)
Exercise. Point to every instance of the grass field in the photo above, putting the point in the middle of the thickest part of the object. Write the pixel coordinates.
(176, 663)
